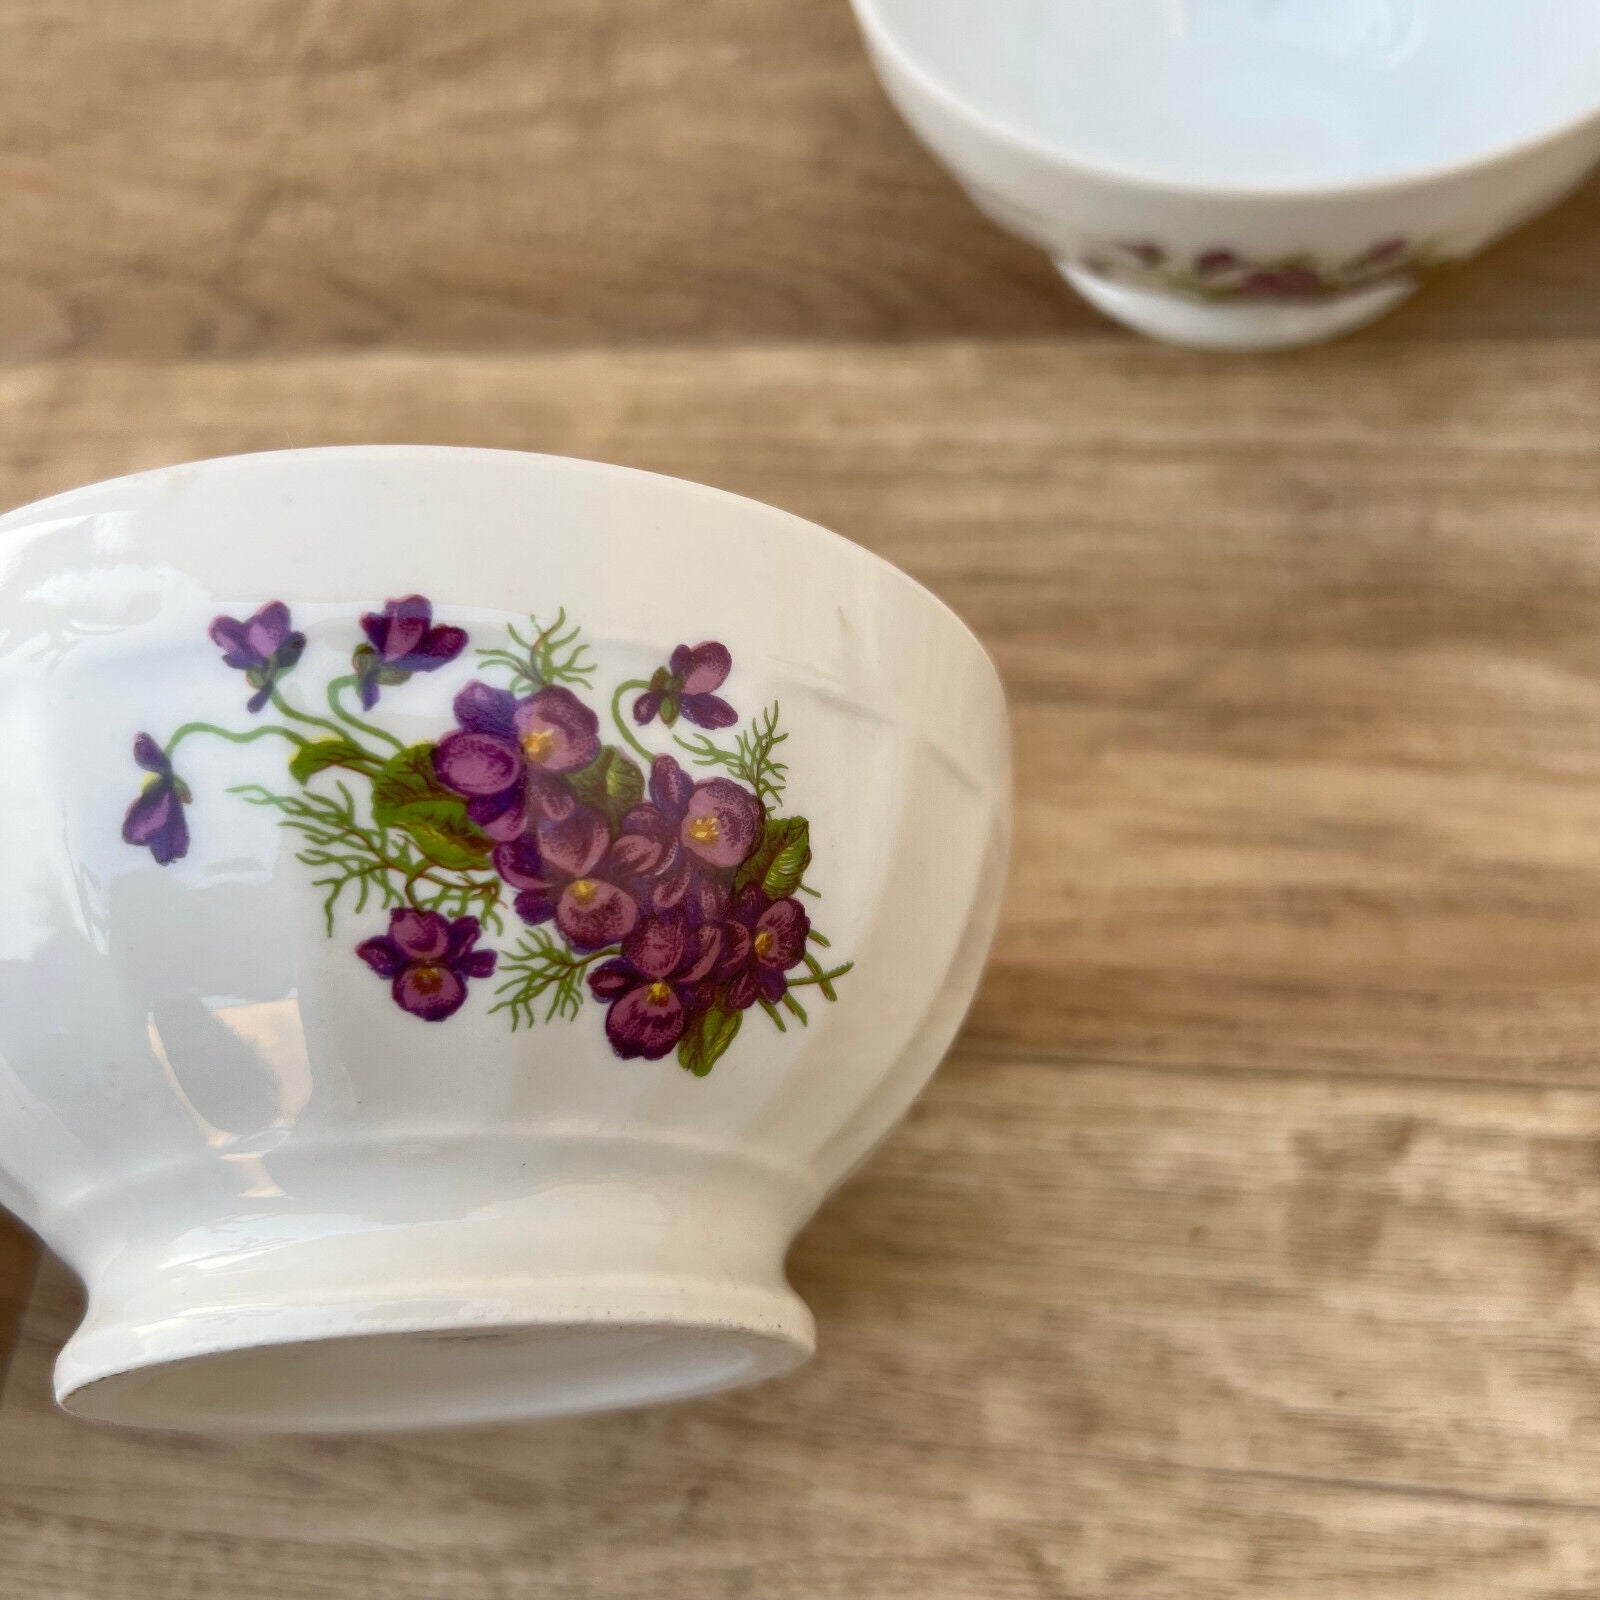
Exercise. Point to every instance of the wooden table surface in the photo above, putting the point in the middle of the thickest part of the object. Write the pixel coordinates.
(1249, 1242)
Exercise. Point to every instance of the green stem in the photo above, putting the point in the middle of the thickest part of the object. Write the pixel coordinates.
(305, 716)
(472, 889)
(417, 873)
(539, 662)
(823, 979)
(232, 738)
(798, 1009)
(816, 938)
(486, 891)
(776, 1015)
(616, 714)
(349, 681)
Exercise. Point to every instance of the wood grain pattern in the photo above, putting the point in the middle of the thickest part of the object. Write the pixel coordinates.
(1304, 713)
(188, 178)
(1307, 779)
(18, 1256)
(1096, 1332)
(1246, 1248)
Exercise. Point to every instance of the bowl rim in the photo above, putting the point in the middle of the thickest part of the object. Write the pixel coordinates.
(881, 37)
(827, 543)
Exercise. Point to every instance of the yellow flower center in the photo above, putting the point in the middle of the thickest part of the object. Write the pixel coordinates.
(658, 993)
(536, 743)
(428, 979)
(764, 944)
(584, 891)
(704, 830)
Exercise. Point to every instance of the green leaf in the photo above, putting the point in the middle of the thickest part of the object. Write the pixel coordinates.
(707, 1039)
(406, 779)
(612, 783)
(406, 795)
(779, 862)
(312, 758)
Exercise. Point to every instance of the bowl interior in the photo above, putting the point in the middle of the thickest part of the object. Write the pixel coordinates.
(1260, 93)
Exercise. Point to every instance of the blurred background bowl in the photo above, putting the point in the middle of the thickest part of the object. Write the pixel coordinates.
(1239, 176)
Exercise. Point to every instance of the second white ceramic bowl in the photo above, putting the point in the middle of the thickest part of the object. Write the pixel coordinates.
(1235, 175)
(459, 913)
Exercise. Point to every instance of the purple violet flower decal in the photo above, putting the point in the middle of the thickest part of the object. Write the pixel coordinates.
(429, 961)
(262, 647)
(402, 639)
(668, 895)
(657, 986)
(564, 870)
(687, 686)
(509, 756)
(1210, 262)
(1283, 283)
(720, 822)
(155, 820)
(679, 848)
(761, 941)
(1221, 273)
(700, 832)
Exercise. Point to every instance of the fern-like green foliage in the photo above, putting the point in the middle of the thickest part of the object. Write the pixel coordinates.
(364, 863)
(550, 654)
(751, 761)
(541, 972)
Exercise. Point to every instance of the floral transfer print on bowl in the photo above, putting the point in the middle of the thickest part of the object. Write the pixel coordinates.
(672, 892)
(1218, 273)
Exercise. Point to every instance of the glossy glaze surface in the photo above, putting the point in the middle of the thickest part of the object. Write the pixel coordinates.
(221, 1117)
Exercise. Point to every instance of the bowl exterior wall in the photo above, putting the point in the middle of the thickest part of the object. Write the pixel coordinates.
(217, 1038)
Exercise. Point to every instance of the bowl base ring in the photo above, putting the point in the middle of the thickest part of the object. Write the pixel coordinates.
(444, 1377)
(541, 1278)
(1211, 325)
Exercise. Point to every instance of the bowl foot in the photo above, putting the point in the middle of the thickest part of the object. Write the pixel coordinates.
(437, 1378)
(438, 1286)
(1204, 325)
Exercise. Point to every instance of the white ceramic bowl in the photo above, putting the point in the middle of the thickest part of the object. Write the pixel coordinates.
(1238, 174)
(318, 1165)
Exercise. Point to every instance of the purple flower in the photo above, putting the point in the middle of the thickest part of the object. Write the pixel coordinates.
(1210, 262)
(429, 961)
(688, 839)
(658, 985)
(761, 940)
(715, 820)
(721, 823)
(686, 685)
(1283, 283)
(155, 821)
(565, 869)
(262, 647)
(401, 640)
(509, 755)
